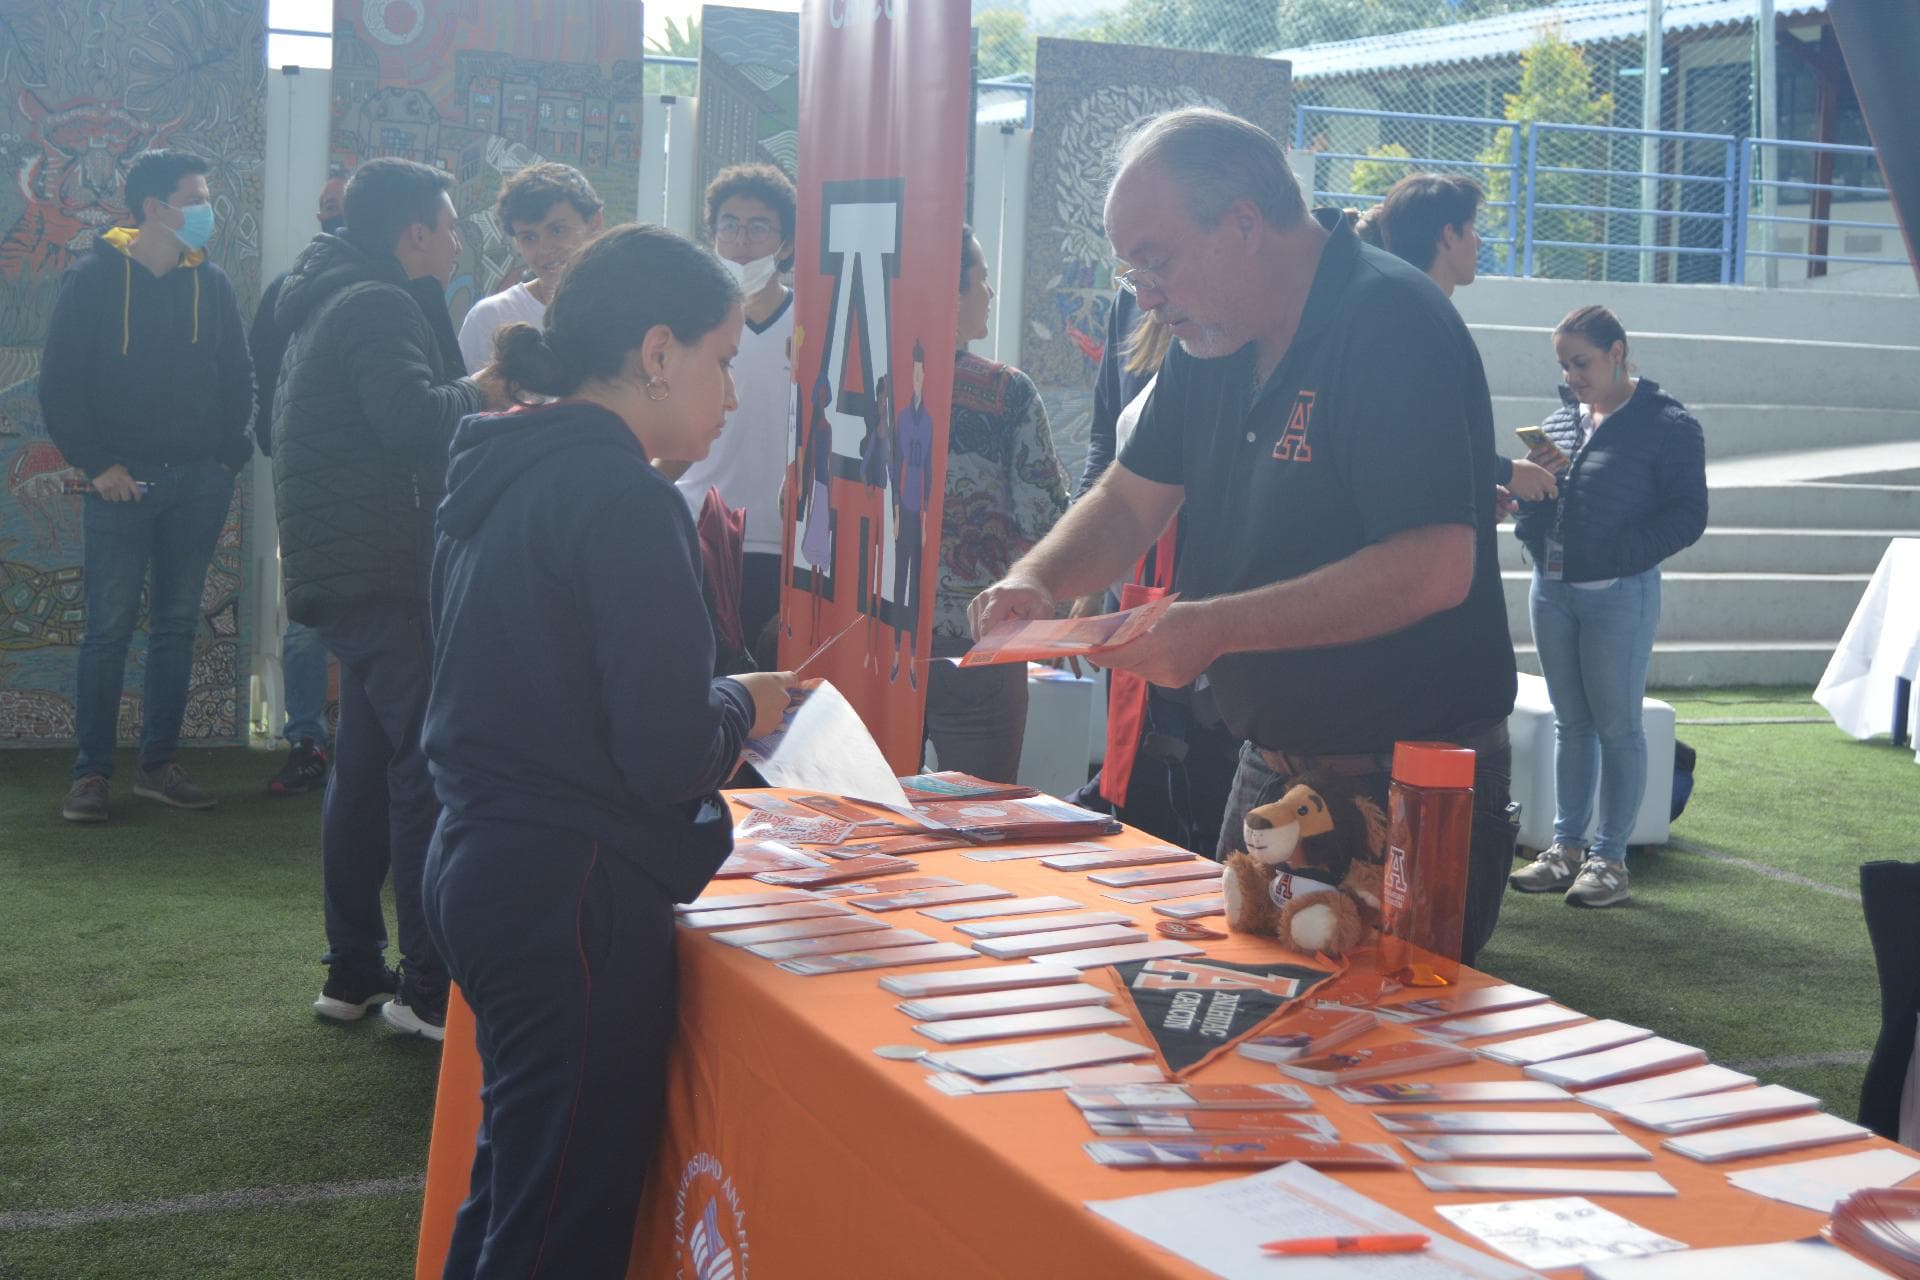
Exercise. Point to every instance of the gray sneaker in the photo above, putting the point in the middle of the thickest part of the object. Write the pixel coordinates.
(1551, 872)
(170, 785)
(1602, 882)
(86, 800)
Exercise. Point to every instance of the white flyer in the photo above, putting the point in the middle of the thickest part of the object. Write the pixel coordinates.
(1562, 1232)
(823, 746)
(1819, 1184)
(1220, 1227)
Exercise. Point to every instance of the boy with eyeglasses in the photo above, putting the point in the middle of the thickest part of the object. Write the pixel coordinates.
(750, 215)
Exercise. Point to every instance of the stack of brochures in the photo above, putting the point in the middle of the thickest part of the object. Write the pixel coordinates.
(1882, 1224)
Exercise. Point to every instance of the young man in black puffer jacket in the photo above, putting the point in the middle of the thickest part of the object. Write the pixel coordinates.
(369, 396)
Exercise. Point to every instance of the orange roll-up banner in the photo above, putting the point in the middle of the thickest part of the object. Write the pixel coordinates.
(883, 144)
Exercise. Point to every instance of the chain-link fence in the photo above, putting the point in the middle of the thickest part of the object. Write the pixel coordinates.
(1546, 106)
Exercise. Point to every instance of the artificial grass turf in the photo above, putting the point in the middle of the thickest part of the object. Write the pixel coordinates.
(369, 1238)
(157, 998)
(159, 972)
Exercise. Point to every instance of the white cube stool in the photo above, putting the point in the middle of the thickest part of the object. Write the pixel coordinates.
(1531, 730)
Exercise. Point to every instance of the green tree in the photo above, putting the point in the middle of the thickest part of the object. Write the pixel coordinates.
(1006, 46)
(1556, 87)
(680, 43)
(1375, 177)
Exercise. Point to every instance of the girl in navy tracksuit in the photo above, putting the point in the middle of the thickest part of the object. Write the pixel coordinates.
(577, 742)
(1634, 492)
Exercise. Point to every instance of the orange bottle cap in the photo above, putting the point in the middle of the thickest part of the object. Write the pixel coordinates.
(1433, 764)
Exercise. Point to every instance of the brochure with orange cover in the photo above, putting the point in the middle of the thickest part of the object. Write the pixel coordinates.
(1308, 1033)
(1356, 1066)
(951, 784)
(1032, 818)
(1244, 1153)
(757, 856)
(1191, 1123)
(1203, 1097)
(1044, 639)
(866, 868)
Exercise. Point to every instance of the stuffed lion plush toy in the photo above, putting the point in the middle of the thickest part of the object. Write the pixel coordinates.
(1311, 872)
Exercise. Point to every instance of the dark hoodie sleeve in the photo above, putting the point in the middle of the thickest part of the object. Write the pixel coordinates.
(233, 448)
(267, 344)
(65, 373)
(1681, 477)
(386, 361)
(675, 732)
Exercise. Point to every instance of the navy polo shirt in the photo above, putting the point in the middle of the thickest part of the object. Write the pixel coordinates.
(1376, 421)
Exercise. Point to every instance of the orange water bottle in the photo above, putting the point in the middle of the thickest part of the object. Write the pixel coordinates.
(1423, 905)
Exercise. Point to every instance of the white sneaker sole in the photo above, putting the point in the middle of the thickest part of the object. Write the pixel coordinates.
(1613, 900)
(401, 1018)
(345, 1010)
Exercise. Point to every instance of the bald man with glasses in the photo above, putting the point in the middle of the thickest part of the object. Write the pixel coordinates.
(1318, 417)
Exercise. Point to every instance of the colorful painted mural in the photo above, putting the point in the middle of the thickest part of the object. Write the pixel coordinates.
(434, 82)
(1085, 97)
(83, 89)
(749, 90)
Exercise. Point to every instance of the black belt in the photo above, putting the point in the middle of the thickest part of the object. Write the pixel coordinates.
(1476, 738)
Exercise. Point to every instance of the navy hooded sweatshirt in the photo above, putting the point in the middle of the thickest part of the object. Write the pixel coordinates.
(145, 370)
(572, 655)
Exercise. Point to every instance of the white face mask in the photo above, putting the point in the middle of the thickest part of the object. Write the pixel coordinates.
(753, 276)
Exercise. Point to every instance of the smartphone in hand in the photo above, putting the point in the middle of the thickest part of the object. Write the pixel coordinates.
(1541, 448)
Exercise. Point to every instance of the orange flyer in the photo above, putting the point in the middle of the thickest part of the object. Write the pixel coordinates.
(1044, 639)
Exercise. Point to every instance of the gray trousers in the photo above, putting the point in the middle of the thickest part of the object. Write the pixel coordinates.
(977, 717)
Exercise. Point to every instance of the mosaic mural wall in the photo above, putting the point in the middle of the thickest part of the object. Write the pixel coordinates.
(433, 81)
(83, 89)
(749, 90)
(1086, 95)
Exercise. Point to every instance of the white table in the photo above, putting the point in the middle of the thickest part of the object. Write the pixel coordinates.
(1530, 728)
(1862, 687)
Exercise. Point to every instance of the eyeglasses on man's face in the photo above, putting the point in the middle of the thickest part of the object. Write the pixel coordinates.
(747, 230)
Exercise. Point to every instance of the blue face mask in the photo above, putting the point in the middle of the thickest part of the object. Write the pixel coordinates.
(196, 225)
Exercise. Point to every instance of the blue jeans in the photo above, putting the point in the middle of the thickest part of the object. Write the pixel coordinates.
(380, 807)
(163, 543)
(303, 679)
(1594, 647)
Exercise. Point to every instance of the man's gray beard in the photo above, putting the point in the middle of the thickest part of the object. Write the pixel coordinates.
(1212, 343)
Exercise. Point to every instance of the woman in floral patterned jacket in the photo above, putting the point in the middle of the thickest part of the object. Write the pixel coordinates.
(1005, 488)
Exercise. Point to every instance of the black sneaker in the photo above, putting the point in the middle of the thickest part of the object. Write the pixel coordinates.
(417, 1013)
(349, 993)
(305, 769)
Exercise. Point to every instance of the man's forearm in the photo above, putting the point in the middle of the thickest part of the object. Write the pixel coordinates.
(1094, 544)
(1376, 591)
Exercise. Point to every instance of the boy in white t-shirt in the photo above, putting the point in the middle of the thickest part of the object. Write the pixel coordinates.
(750, 215)
(549, 210)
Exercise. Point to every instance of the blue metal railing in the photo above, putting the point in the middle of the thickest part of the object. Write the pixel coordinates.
(1753, 185)
(1508, 208)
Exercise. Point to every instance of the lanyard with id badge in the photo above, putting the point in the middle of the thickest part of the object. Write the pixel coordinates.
(1553, 563)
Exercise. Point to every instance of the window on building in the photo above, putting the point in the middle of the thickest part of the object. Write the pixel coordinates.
(300, 33)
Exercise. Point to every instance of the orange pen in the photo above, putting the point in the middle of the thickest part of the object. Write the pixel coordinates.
(1317, 1245)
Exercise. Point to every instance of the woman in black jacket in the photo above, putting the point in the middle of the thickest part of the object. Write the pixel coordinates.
(577, 741)
(1633, 491)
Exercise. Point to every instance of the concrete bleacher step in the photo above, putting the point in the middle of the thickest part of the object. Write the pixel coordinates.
(1713, 663)
(1737, 549)
(1720, 369)
(1703, 308)
(1738, 430)
(1815, 505)
(1755, 607)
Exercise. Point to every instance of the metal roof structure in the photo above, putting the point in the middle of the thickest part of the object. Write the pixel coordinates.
(1579, 22)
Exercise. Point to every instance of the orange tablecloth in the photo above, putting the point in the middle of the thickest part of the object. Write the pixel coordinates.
(809, 1156)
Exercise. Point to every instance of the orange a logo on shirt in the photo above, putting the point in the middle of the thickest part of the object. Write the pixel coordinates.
(1292, 446)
